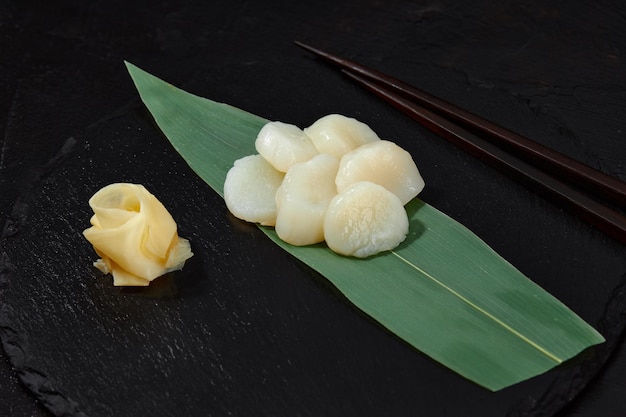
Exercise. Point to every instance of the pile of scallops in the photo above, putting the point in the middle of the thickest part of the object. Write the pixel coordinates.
(335, 181)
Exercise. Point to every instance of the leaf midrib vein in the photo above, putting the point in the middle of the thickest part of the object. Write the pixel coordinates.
(480, 309)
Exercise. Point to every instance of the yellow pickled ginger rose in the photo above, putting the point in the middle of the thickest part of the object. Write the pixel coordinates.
(134, 234)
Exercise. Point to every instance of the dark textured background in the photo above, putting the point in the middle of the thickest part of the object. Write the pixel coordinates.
(284, 342)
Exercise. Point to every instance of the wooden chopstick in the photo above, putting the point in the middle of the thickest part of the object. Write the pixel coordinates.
(604, 186)
(564, 195)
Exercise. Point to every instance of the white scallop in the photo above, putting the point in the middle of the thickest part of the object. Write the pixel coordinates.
(336, 134)
(383, 163)
(365, 219)
(302, 200)
(283, 145)
(250, 190)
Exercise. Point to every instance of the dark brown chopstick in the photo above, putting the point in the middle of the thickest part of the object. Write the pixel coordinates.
(604, 186)
(559, 192)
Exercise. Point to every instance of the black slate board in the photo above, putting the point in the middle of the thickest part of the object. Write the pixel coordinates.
(244, 329)
(241, 321)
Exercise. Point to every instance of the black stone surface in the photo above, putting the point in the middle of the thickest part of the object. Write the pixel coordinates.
(244, 329)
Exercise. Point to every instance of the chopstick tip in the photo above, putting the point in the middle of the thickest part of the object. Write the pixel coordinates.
(322, 54)
(308, 48)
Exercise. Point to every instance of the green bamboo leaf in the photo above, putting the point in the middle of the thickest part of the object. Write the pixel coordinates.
(443, 290)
